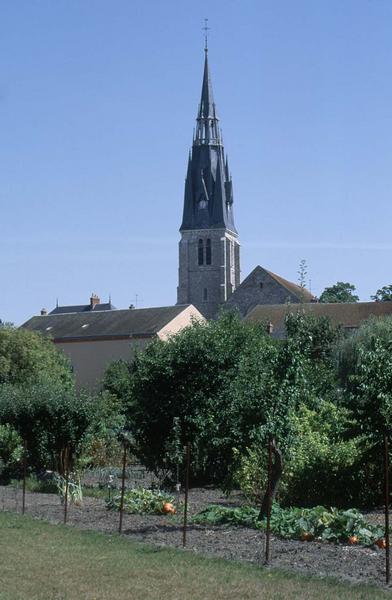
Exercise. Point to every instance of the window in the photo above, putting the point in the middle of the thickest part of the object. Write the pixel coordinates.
(208, 252)
(200, 252)
(261, 285)
(205, 295)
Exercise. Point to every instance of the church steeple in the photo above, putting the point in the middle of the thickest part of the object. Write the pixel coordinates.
(209, 267)
(208, 201)
(207, 129)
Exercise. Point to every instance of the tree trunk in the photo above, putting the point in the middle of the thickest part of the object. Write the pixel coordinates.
(276, 474)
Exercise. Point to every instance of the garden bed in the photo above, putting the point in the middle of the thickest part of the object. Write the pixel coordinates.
(350, 563)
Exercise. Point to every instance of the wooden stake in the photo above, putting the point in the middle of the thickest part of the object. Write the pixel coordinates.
(386, 503)
(122, 489)
(268, 529)
(187, 465)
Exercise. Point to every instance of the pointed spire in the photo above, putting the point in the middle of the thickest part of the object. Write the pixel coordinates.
(207, 105)
(207, 129)
(208, 196)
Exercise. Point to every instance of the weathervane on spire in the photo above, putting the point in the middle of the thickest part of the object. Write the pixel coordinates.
(206, 29)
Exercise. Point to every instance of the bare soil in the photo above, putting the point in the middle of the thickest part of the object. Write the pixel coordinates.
(350, 563)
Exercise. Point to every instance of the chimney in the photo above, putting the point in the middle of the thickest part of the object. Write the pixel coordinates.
(270, 328)
(94, 300)
(44, 312)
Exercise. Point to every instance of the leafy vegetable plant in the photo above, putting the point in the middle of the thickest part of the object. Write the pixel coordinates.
(331, 525)
(142, 501)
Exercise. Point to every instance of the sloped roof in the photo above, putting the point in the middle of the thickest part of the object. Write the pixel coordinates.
(82, 308)
(300, 292)
(349, 315)
(141, 322)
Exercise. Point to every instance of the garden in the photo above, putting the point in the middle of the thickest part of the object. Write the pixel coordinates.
(221, 439)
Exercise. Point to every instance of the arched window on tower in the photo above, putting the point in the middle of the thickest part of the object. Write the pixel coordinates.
(208, 252)
(200, 252)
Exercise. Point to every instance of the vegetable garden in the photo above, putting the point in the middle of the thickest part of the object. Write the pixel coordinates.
(287, 442)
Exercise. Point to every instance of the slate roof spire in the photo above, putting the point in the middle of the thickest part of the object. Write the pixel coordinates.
(208, 199)
(207, 128)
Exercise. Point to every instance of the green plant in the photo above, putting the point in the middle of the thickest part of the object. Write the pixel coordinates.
(330, 525)
(46, 485)
(11, 452)
(140, 501)
(74, 492)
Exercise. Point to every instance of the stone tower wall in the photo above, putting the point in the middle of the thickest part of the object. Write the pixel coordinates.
(208, 286)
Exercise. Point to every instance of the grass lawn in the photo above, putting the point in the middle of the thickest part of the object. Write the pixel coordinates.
(53, 562)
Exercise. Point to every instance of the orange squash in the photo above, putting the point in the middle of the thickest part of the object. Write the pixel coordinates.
(306, 536)
(168, 508)
(381, 543)
(353, 540)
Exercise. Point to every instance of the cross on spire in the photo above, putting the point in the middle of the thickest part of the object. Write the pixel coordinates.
(206, 29)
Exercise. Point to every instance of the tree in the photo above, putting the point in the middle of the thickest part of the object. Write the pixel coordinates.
(117, 380)
(180, 393)
(299, 371)
(365, 372)
(49, 418)
(384, 294)
(26, 356)
(225, 385)
(340, 292)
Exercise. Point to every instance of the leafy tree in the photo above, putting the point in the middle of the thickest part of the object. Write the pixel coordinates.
(50, 418)
(11, 451)
(300, 372)
(117, 380)
(384, 294)
(365, 372)
(340, 292)
(224, 386)
(26, 356)
(180, 393)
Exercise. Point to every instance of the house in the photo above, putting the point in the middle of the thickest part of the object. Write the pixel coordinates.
(92, 339)
(348, 315)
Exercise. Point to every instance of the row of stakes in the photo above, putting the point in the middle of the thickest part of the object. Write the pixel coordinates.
(267, 552)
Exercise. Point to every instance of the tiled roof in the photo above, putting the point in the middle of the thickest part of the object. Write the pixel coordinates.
(301, 293)
(349, 315)
(82, 308)
(105, 324)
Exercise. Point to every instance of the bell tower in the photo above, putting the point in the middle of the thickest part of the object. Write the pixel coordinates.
(209, 250)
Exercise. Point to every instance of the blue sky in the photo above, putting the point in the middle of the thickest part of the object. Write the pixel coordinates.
(97, 106)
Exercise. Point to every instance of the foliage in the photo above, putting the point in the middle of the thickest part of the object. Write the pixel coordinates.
(384, 294)
(27, 358)
(117, 380)
(298, 523)
(37, 483)
(50, 418)
(74, 491)
(302, 275)
(141, 501)
(175, 398)
(11, 451)
(365, 371)
(258, 382)
(322, 461)
(101, 445)
(340, 292)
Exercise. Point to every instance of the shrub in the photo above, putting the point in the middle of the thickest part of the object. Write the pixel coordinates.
(11, 452)
(323, 464)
